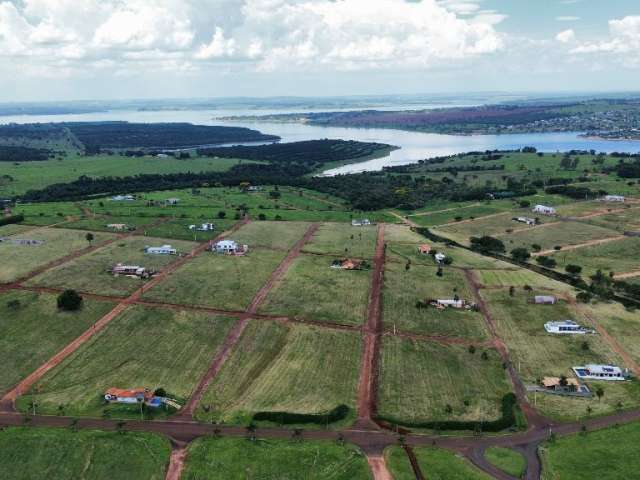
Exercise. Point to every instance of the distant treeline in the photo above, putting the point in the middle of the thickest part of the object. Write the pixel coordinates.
(32, 131)
(23, 154)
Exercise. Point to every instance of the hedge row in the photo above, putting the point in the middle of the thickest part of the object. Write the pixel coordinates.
(11, 219)
(508, 420)
(285, 418)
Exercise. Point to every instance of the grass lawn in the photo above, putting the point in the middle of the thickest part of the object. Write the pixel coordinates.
(276, 367)
(620, 323)
(13, 228)
(218, 281)
(608, 454)
(472, 212)
(402, 289)
(179, 229)
(560, 234)
(36, 330)
(507, 460)
(142, 348)
(99, 223)
(394, 233)
(313, 290)
(89, 273)
(435, 464)
(344, 240)
(419, 379)
(227, 458)
(276, 235)
(629, 220)
(19, 260)
(461, 257)
(59, 454)
(519, 277)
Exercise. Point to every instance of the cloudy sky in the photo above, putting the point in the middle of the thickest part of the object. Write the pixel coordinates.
(105, 49)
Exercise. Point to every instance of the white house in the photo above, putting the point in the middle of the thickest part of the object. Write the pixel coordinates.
(122, 198)
(440, 257)
(566, 327)
(601, 372)
(205, 227)
(451, 303)
(527, 220)
(360, 222)
(229, 247)
(544, 210)
(172, 201)
(163, 250)
(129, 270)
(614, 198)
(544, 299)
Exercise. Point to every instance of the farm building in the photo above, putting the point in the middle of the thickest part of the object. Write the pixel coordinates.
(614, 198)
(229, 247)
(544, 300)
(565, 386)
(601, 372)
(424, 249)
(204, 227)
(163, 250)
(122, 198)
(566, 327)
(452, 303)
(526, 220)
(347, 264)
(130, 271)
(364, 222)
(120, 227)
(135, 396)
(172, 201)
(544, 210)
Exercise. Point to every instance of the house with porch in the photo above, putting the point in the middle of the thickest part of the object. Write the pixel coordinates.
(163, 250)
(566, 327)
(544, 210)
(601, 372)
(229, 247)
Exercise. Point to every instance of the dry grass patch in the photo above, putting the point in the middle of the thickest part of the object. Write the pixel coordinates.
(277, 235)
(342, 239)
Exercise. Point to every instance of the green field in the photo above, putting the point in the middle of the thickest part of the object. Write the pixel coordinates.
(608, 454)
(507, 460)
(313, 290)
(461, 257)
(402, 289)
(276, 235)
(622, 324)
(89, 273)
(19, 260)
(629, 220)
(557, 234)
(275, 367)
(518, 277)
(61, 454)
(35, 330)
(13, 229)
(343, 240)
(419, 379)
(218, 281)
(227, 458)
(469, 213)
(435, 464)
(394, 233)
(143, 347)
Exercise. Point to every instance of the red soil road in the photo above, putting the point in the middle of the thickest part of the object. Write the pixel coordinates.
(176, 463)
(239, 327)
(590, 243)
(379, 467)
(372, 332)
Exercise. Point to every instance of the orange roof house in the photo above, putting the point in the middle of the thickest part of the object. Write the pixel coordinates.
(424, 249)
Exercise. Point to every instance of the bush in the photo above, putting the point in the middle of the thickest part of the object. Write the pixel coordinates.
(285, 418)
(487, 244)
(69, 300)
(520, 254)
(574, 270)
(11, 219)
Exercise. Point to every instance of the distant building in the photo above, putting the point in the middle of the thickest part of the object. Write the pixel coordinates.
(120, 227)
(134, 396)
(123, 198)
(130, 271)
(229, 247)
(163, 250)
(424, 249)
(566, 327)
(568, 386)
(614, 198)
(365, 222)
(544, 300)
(347, 264)
(450, 303)
(172, 201)
(544, 210)
(601, 372)
(204, 227)
(440, 257)
(527, 220)
(254, 188)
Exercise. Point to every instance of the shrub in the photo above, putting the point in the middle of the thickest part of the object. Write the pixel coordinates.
(287, 418)
(69, 300)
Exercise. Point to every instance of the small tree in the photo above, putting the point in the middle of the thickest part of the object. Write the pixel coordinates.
(599, 393)
(520, 254)
(484, 356)
(89, 236)
(222, 214)
(69, 300)
(512, 291)
(472, 349)
(574, 270)
(13, 304)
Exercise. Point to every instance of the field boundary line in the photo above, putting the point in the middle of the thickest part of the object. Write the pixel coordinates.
(415, 466)
(424, 214)
(590, 243)
(236, 331)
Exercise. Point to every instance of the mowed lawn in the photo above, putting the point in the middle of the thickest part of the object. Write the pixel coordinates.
(90, 273)
(518, 277)
(343, 240)
(608, 454)
(19, 260)
(218, 281)
(437, 463)
(281, 368)
(58, 454)
(394, 233)
(35, 330)
(143, 347)
(229, 458)
(558, 234)
(419, 379)
(276, 235)
(313, 290)
(618, 257)
(403, 288)
(461, 257)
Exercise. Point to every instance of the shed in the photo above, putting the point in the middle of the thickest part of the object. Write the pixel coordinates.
(545, 299)
(163, 250)
(544, 210)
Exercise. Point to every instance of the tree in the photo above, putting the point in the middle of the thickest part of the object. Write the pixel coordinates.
(573, 270)
(487, 244)
(599, 393)
(520, 254)
(512, 291)
(222, 214)
(89, 236)
(262, 217)
(584, 297)
(484, 356)
(69, 300)
(472, 349)
(13, 304)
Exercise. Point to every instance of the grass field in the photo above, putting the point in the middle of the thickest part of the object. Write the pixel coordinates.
(89, 273)
(99, 223)
(622, 324)
(629, 220)
(36, 330)
(47, 213)
(226, 458)
(219, 281)
(507, 460)
(435, 464)
(276, 235)
(460, 256)
(559, 234)
(19, 260)
(402, 289)
(179, 229)
(608, 454)
(13, 229)
(275, 367)
(343, 240)
(394, 233)
(58, 454)
(469, 213)
(518, 277)
(313, 290)
(419, 379)
(143, 347)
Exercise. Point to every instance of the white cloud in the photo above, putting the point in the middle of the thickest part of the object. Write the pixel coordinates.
(624, 40)
(566, 36)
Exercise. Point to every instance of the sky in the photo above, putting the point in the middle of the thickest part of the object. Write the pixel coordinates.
(119, 49)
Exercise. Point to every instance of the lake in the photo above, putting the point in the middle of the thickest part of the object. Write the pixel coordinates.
(414, 146)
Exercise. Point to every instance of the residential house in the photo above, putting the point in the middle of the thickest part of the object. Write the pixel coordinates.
(601, 372)
(453, 303)
(347, 264)
(440, 257)
(172, 201)
(424, 249)
(120, 227)
(544, 300)
(205, 227)
(130, 271)
(566, 327)
(565, 386)
(614, 198)
(544, 210)
(163, 250)
(365, 222)
(229, 247)
(134, 396)
(526, 220)
(123, 198)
